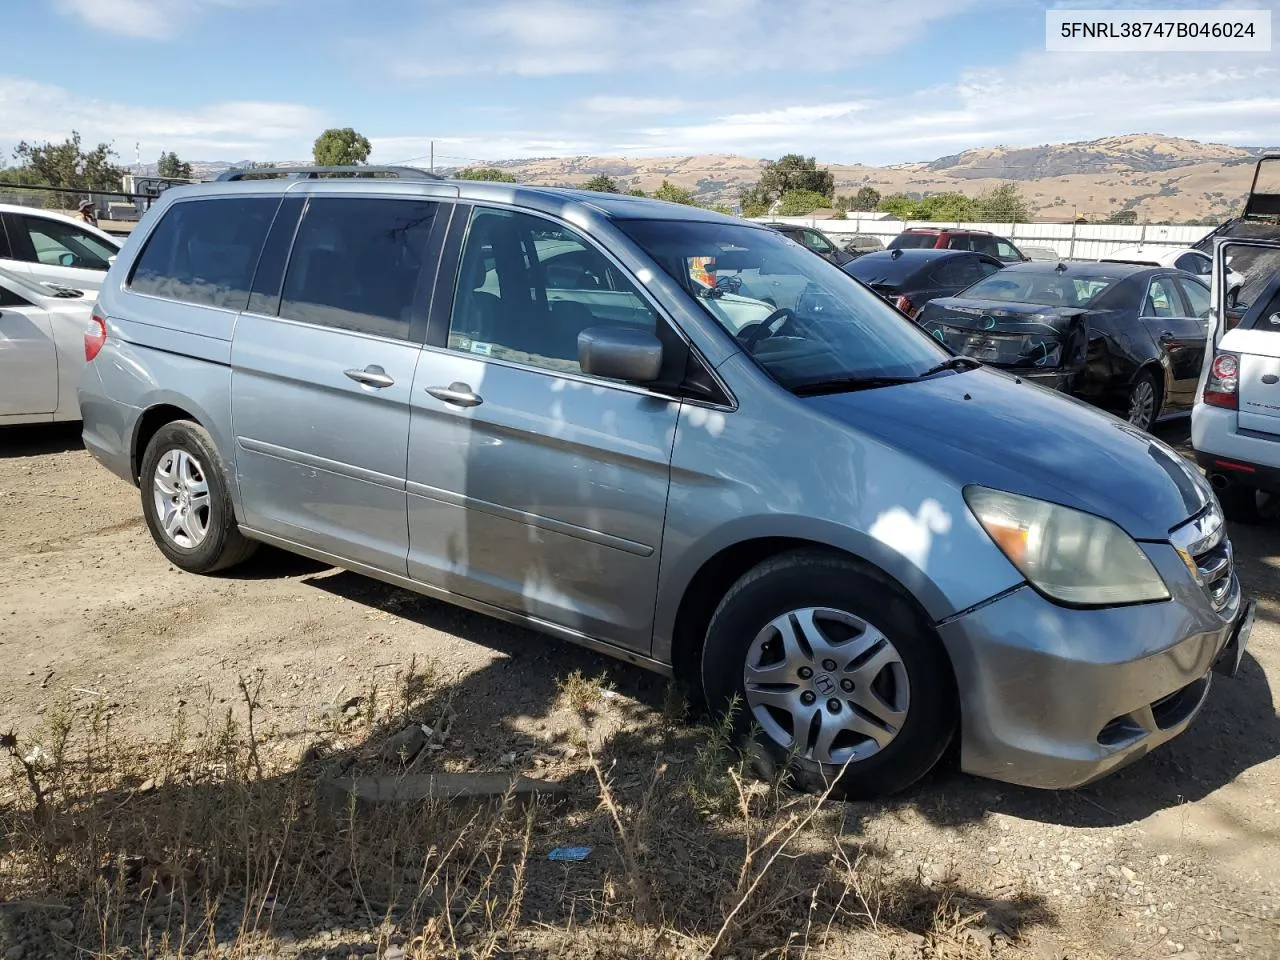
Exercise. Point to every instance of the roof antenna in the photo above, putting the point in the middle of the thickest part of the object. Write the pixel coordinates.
(897, 252)
(1060, 267)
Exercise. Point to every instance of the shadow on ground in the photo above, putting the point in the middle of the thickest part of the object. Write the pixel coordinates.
(39, 439)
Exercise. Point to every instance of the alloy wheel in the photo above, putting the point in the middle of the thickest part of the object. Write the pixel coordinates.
(826, 685)
(180, 489)
(1142, 404)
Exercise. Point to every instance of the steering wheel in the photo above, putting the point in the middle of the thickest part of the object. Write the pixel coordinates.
(753, 333)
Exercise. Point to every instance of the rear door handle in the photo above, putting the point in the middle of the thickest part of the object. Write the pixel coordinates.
(371, 376)
(457, 393)
(1166, 336)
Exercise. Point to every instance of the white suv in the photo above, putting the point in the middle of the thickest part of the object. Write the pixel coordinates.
(1235, 424)
(49, 247)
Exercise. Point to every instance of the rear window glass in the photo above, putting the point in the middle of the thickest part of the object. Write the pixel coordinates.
(356, 262)
(1265, 313)
(1047, 289)
(879, 269)
(205, 251)
(913, 241)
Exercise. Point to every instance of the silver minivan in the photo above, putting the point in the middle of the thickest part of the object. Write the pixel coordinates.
(564, 409)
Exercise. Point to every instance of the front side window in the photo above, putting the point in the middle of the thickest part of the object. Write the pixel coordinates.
(833, 330)
(1195, 263)
(1007, 251)
(528, 286)
(204, 252)
(817, 242)
(356, 262)
(59, 244)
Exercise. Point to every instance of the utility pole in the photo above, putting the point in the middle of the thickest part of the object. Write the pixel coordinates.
(433, 156)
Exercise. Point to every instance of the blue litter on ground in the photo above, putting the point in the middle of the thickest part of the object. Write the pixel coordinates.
(569, 853)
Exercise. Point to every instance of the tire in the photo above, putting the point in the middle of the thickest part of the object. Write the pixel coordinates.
(891, 695)
(1144, 401)
(184, 483)
(1243, 504)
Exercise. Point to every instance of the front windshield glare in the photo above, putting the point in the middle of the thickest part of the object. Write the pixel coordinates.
(799, 316)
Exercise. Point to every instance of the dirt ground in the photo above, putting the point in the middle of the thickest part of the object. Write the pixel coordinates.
(1177, 854)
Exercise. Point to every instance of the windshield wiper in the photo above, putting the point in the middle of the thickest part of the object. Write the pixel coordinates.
(814, 388)
(957, 362)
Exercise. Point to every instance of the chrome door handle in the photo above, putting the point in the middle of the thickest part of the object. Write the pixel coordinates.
(1166, 336)
(371, 376)
(459, 394)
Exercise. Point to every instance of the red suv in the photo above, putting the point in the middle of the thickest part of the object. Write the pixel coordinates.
(949, 238)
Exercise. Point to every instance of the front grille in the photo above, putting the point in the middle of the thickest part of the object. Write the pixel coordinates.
(1203, 545)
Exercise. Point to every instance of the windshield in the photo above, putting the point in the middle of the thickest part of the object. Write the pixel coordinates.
(913, 241)
(799, 316)
(1050, 289)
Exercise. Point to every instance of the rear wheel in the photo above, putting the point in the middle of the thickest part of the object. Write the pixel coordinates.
(187, 503)
(838, 678)
(1144, 401)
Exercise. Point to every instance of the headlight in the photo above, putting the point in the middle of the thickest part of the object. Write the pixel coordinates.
(1070, 556)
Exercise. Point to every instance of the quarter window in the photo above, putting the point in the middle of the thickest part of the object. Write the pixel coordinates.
(1197, 297)
(1194, 263)
(204, 251)
(527, 287)
(356, 263)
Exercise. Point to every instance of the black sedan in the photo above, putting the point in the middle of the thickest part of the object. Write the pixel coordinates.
(1125, 337)
(815, 240)
(911, 278)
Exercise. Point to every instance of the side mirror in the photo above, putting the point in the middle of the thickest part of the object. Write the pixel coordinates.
(620, 353)
(67, 259)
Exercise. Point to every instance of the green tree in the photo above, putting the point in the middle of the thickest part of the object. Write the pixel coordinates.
(673, 194)
(340, 148)
(944, 206)
(798, 203)
(484, 173)
(786, 174)
(898, 204)
(1004, 204)
(865, 199)
(636, 192)
(602, 183)
(68, 166)
(171, 168)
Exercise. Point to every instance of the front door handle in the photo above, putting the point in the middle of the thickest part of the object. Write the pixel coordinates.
(457, 393)
(371, 376)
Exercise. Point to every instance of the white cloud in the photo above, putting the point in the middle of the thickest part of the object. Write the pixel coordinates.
(632, 105)
(256, 130)
(147, 19)
(541, 38)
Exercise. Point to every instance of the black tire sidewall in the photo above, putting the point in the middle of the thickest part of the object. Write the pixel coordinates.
(191, 437)
(810, 580)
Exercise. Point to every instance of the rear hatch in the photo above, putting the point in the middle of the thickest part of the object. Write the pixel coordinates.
(1257, 341)
(1010, 335)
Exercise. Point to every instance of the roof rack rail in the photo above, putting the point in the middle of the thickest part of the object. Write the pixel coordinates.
(314, 173)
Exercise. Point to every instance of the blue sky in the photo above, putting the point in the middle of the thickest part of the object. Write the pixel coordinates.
(875, 81)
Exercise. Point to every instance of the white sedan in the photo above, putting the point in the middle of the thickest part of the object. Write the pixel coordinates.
(48, 247)
(42, 331)
(1177, 258)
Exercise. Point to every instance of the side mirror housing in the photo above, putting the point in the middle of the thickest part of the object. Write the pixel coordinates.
(67, 259)
(620, 353)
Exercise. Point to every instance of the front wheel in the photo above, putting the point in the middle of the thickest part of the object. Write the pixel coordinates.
(187, 503)
(840, 679)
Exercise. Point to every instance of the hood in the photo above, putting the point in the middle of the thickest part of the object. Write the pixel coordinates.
(1009, 335)
(986, 427)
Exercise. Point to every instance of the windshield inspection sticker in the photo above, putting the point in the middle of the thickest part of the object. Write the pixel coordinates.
(1146, 31)
(484, 349)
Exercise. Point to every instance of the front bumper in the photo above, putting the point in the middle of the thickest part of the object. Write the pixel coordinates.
(1056, 698)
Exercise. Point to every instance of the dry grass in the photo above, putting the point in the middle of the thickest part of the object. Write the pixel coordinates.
(211, 843)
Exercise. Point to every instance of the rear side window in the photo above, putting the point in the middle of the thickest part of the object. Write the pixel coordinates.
(204, 252)
(356, 262)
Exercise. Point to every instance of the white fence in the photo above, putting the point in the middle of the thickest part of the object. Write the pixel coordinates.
(1069, 240)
